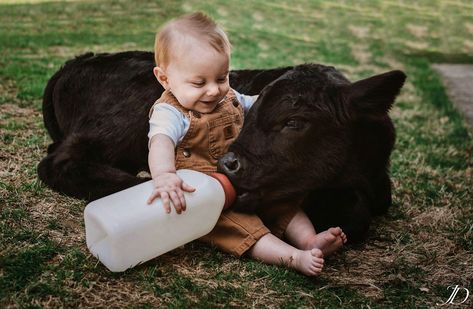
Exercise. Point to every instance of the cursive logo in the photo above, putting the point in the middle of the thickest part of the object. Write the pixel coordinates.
(452, 297)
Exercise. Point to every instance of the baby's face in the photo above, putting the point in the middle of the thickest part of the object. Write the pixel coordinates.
(198, 77)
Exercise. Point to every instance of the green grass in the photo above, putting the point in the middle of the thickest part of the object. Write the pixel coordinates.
(423, 245)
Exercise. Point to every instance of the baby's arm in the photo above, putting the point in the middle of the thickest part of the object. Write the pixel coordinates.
(167, 184)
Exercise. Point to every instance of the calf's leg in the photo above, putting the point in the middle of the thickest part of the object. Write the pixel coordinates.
(337, 207)
(75, 168)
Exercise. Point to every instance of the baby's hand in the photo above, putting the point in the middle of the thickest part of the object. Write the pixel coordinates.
(170, 187)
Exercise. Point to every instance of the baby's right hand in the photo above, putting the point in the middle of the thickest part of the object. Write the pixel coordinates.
(170, 188)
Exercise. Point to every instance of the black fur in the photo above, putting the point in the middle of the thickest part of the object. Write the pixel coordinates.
(96, 108)
(313, 132)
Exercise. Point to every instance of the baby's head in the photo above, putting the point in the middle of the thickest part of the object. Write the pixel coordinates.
(192, 55)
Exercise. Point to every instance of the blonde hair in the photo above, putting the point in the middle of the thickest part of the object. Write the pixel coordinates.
(196, 25)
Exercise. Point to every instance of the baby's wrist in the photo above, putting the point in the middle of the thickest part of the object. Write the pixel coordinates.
(168, 171)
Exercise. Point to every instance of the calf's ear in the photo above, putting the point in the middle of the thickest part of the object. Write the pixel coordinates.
(376, 94)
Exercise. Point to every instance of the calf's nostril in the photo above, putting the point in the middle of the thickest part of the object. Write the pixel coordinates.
(231, 163)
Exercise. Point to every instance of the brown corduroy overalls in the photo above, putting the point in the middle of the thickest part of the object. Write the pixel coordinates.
(208, 139)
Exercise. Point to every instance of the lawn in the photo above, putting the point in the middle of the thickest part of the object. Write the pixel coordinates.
(422, 246)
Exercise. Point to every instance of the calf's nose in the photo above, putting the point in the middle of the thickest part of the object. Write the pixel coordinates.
(230, 163)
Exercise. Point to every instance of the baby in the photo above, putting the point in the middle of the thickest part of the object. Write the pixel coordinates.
(192, 125)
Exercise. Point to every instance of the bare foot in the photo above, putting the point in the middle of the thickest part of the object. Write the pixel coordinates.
(328, 241)
(308, 262)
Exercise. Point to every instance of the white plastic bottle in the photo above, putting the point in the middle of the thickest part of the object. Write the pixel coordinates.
(122, 230)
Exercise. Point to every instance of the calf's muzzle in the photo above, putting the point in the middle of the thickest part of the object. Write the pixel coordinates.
(229, 164)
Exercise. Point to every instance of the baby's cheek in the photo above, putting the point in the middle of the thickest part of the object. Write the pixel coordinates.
(187, 100)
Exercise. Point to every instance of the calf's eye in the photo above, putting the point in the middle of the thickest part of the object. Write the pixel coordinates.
(293, 124)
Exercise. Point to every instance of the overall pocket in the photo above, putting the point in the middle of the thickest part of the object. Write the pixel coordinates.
(222, 132)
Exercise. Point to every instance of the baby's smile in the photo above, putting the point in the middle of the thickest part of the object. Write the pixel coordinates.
(210, 102)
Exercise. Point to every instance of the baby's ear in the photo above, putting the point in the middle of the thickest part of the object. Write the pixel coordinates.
(161, 77)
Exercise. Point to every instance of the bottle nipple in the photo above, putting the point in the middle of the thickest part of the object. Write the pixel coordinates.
(228, 189)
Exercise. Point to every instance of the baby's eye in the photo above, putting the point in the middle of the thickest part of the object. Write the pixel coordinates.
(198, 83)
(222, 79)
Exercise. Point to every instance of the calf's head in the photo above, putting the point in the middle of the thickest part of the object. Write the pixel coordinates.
(298, 136)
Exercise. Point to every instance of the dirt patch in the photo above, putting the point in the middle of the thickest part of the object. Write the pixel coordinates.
(359, 32)
(418, 31)
(457, 79)
(8, 91)
(361, 54)
(22, 146)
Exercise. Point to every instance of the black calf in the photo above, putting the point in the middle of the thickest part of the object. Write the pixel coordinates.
(310, 133)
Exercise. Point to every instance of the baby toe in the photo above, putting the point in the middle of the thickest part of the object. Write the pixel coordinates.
(337, 231)
(317, 253)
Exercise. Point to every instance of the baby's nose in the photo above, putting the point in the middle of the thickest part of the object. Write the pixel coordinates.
(213, 90)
